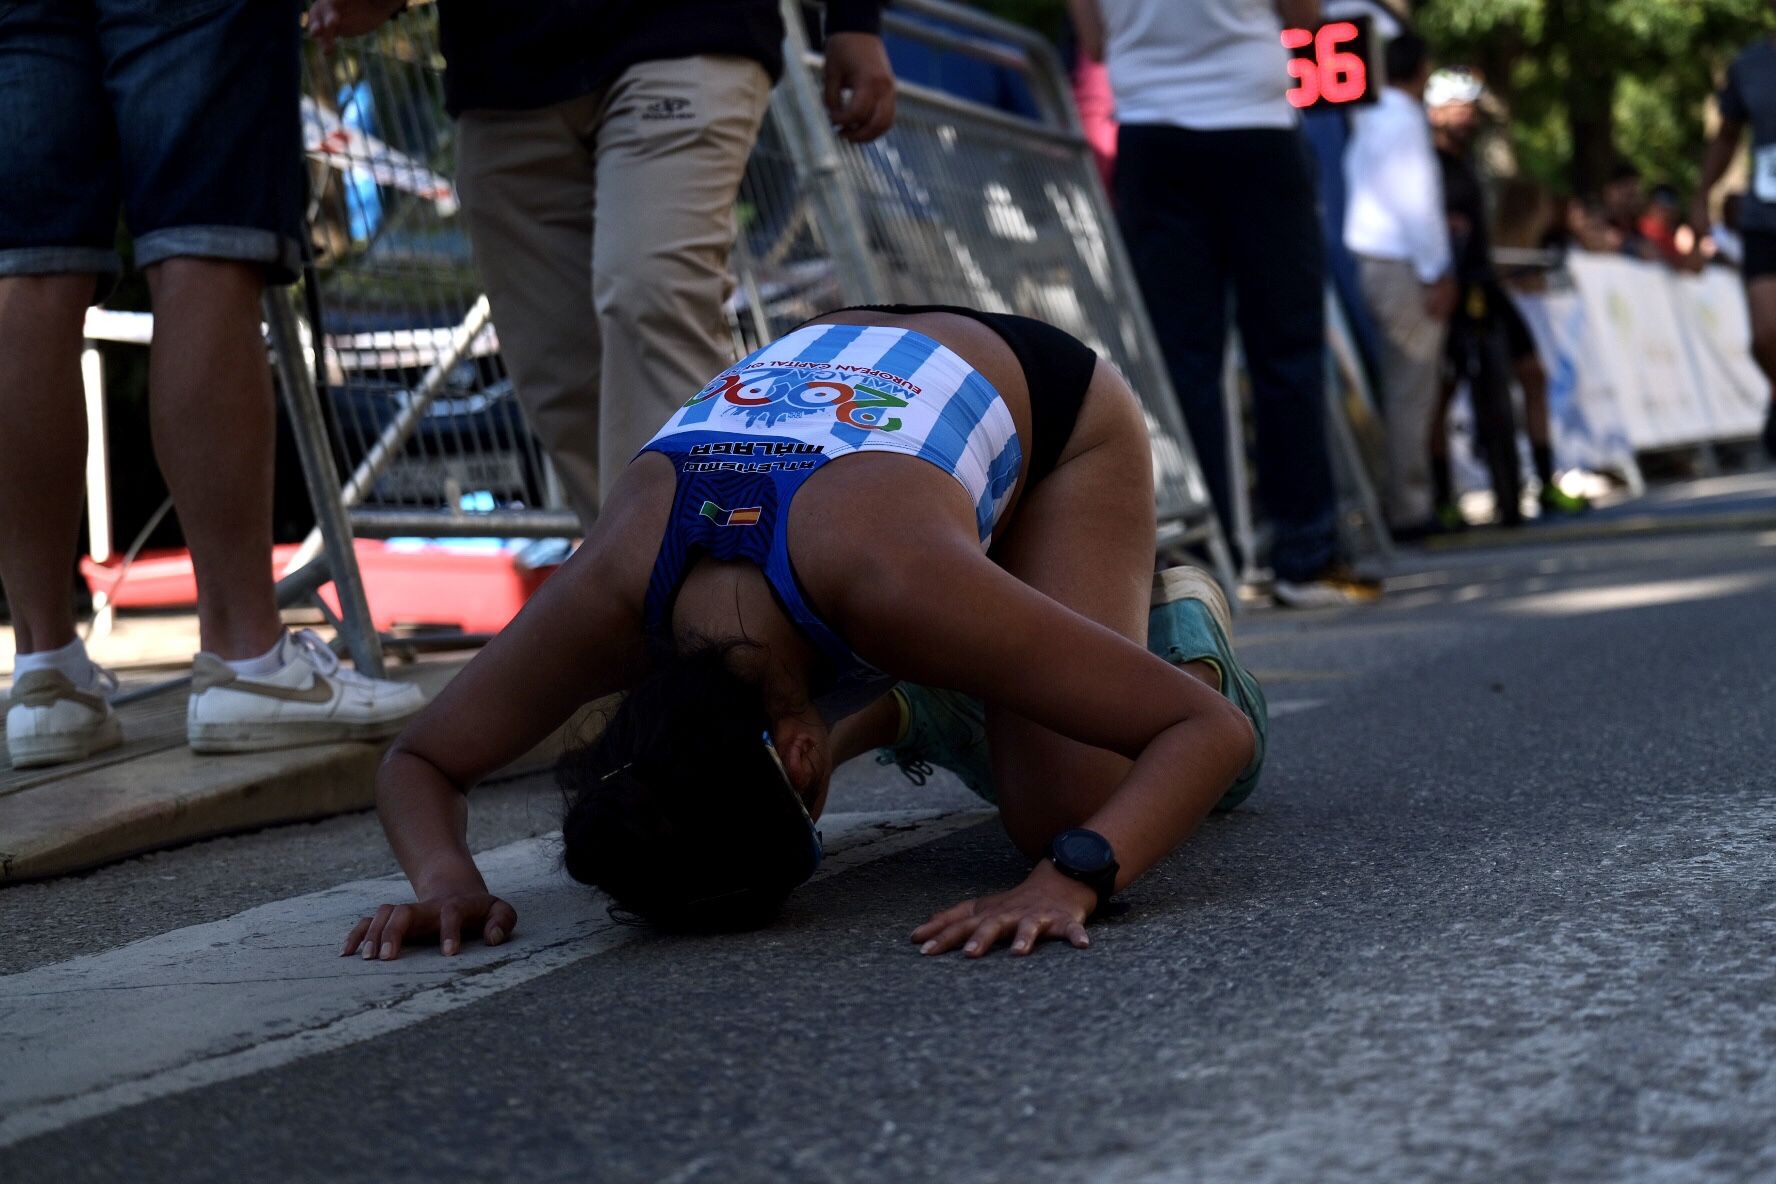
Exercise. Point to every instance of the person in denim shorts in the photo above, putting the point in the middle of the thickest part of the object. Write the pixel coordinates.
(183, 116)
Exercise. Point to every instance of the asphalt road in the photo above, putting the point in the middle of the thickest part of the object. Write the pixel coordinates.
(1503, 909)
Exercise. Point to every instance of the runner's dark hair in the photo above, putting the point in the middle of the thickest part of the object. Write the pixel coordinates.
(675, 809)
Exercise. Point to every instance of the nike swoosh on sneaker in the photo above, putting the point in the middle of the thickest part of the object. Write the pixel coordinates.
(319, 691)
(49, 694)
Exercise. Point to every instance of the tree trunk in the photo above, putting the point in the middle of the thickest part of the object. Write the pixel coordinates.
(1577, 27)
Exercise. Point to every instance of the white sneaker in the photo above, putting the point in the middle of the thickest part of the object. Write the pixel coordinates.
(50, 720)
(312, 700)
(1336, 584)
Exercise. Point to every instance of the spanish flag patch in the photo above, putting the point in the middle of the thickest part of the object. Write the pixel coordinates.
(745, 516)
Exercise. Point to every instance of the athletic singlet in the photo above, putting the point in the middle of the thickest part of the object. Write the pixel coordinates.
(745, 444)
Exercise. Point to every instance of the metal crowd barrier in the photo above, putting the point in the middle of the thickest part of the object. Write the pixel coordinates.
(422, 415)
(960, 203)
(965, 204)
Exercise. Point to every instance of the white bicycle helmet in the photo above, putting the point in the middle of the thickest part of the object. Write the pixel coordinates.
(1453, 84)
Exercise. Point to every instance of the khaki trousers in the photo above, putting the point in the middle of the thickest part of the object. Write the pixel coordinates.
(602, 228)
(1412, 379)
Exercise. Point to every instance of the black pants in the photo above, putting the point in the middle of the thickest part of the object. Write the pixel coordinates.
(1480, 352)
(1206, 212)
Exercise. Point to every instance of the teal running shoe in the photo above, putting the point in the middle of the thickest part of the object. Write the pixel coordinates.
(943, 728)
(1190, 622)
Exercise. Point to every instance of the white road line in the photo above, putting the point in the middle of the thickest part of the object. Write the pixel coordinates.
(1293, 706)
(266, 987)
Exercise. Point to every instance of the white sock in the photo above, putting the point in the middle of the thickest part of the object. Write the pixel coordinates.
(270, 662)
(70, 660)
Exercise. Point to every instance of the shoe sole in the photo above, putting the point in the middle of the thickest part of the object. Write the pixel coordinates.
(212, 739)
(33, 752)
(1314, 596)
(1190, 583)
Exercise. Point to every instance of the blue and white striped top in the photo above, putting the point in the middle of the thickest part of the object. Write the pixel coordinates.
(745, 443)
(853, 388)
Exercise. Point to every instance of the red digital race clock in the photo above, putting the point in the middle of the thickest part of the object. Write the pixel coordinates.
(1335, 64)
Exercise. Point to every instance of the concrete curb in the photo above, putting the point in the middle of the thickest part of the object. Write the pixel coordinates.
(166, 798)
(99, 814)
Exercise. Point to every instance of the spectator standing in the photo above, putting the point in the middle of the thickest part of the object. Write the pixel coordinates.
(1485, 333)
(184, 114)
(1215, 193)
(1489, 342)
(1396, 227)
(1748, 100)
(600, 148)
(1328, 130)
(1625, 205)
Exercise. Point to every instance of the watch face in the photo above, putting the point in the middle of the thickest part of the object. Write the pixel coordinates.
(1083, 850)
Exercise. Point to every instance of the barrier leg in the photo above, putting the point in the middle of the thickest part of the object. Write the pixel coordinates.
(1343, 362)
(322, 477)
(814, 151)
(98, 482)
(394, 437)
(1345, 449)
(1239, 479)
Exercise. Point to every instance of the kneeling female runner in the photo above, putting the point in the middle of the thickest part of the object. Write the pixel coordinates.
(922, 495)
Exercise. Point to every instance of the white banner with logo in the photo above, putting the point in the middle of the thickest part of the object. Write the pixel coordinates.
(1673, 351)
(1640, 349)
(1587, 426)
(1718, 327)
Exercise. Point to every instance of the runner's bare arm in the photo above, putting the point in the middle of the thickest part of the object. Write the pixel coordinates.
(1715, 162)
(578, 639)
(994, 637)
(1088, 28)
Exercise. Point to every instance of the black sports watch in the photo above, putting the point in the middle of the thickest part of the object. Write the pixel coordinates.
(1086, 856)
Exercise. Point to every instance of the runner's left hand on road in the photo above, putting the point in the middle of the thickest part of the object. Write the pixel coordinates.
(1047, 906)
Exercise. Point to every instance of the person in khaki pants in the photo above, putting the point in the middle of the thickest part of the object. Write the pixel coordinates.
(1395, 226)
(600, 149)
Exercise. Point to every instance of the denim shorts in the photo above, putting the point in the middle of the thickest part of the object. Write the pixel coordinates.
(183, 113)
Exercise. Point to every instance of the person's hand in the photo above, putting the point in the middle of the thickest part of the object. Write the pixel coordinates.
(329, 20)
(1440, 298)
(859, 86)
(444, 916)
(1047, 906)
(1699, 216)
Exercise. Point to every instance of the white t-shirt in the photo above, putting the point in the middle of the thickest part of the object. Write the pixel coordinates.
(1394, 187)
(1204, 64)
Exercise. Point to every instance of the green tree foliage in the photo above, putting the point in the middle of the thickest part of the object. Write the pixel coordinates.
(1591, 82)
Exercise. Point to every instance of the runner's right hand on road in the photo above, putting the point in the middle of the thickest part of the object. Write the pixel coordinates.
(443, 917)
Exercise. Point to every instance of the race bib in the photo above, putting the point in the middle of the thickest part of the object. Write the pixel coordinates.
(1763, 173)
